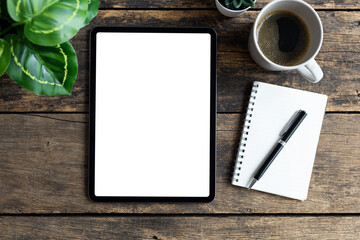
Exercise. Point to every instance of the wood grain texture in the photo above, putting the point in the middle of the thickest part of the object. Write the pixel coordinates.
(317, 4)
(163, 227)
(43, 161)
(236, 71)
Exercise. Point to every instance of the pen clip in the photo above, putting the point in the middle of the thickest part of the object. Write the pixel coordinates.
(286, 128)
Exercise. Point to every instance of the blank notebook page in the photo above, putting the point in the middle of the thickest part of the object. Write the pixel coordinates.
(152, 114)
(289, 175)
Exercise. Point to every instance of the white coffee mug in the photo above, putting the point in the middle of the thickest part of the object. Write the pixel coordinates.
(308, 68)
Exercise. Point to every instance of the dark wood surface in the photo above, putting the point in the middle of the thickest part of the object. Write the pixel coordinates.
(180, 227)
(43, 143)
(45, 171)
(339, 59)
(181, 4)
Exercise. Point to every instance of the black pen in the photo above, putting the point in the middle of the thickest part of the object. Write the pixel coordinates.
(288, 132)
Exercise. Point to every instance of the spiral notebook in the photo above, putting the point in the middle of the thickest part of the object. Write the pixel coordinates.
(270, 109)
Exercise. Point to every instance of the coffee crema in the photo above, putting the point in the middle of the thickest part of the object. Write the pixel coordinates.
(283, 37)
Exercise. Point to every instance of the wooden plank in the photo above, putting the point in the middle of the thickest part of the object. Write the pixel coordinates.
(236, 70)
(43, 161)
(177, 227)
(317, 4)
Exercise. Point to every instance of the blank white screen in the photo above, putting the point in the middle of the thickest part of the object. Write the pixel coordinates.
(152, 123)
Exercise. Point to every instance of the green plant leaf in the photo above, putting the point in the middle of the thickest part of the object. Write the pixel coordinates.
(93, 7)
(4, 56)
(43, 70)
(21, 10)
(237, 3)
(248, 3)
(228, 2)
(49, 22)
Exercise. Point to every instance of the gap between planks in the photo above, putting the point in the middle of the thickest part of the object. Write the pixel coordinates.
(180, 215)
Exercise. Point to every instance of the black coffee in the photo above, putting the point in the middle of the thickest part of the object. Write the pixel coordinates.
(283, 37)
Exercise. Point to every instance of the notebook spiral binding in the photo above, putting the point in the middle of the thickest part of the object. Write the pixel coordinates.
(244, 134)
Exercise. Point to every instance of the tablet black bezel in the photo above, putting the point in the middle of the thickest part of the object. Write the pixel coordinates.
(91, 145)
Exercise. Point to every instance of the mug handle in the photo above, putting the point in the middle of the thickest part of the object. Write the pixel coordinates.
(311, 71)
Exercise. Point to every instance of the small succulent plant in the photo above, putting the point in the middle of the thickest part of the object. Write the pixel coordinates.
(236, 4)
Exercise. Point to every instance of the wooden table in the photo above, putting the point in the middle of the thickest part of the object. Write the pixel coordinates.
(43, 142)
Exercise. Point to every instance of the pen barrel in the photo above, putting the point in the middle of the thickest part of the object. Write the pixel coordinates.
(297, 121)
(268, 161)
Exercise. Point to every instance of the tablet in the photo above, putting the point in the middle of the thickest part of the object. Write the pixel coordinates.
(152, 120)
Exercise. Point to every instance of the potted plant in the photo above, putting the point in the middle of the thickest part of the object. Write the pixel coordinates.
(234, 8)
(35, 50)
